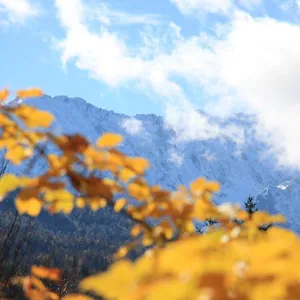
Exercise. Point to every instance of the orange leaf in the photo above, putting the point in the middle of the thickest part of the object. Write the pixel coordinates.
(109, 140)
(126, 174)
(80, 202)
(120, 204)
(45, 273)
(213, 186)
(28, 93)
(136, 230)
(31, 206)
(3, 94)
(17, 154)
(33, 117)
(138, 164)
(122, 252)
(8, 183)
(198, 186)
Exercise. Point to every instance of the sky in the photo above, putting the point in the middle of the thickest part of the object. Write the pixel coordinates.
(167, 57)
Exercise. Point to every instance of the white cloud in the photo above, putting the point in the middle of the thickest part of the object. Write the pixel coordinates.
(125, 18)
(17, 11)
(176, 158)
(101, 12)
(107, 58)
(104, 54)
(209, 156)
(249, 4)
(287, 5)
(132, 126)
(210, 6)
(190, 124)
(107, 16)
(259, 61)
(253, 64)
(188, 7)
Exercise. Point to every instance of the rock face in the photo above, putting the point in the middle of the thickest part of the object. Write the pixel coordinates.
(241, 170)
(284, 199)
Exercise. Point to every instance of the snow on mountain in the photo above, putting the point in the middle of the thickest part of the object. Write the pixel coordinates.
(284, 199)
(242, 170)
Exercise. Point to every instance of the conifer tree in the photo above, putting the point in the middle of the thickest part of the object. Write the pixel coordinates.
(251, 208)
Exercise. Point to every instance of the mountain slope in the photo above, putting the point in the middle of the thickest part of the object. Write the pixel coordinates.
(241, 169)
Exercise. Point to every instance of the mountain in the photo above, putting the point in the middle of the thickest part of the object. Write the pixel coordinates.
(283, 198)
(242, 170)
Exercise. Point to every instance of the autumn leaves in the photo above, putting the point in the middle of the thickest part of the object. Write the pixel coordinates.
(21, 94)
(233, 261)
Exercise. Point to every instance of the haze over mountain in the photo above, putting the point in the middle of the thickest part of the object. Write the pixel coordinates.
(242, 169)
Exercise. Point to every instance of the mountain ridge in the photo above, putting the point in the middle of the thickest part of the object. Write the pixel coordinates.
(242, 170)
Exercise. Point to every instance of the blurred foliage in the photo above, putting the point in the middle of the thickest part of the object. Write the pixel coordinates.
(234, 260)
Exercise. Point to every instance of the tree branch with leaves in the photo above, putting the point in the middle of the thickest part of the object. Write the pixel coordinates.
(230, 262)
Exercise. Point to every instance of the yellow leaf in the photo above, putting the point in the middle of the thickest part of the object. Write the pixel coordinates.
(109, 140)
(80, 202)
(61, 201)
(198, 186)
(147, 241)
(3, 95)
(122, 252)
(8, 183)
(126, 174)
(114, 157)
(137, 191)
(136, 230)
(4, 121)
(17, 154)
(29, 93)
(120, 204)
(58, 195)
(65, 207)
(213, 186)
(94, 204)
(102, 202)
(113, 283)
(8, 142)
(165, 228)
(31, 206)
(33, 117)
(189, 226)
(138, 164)
(263, 218)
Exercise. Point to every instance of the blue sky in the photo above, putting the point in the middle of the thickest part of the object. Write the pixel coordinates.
(168, 57)
(29, 56)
